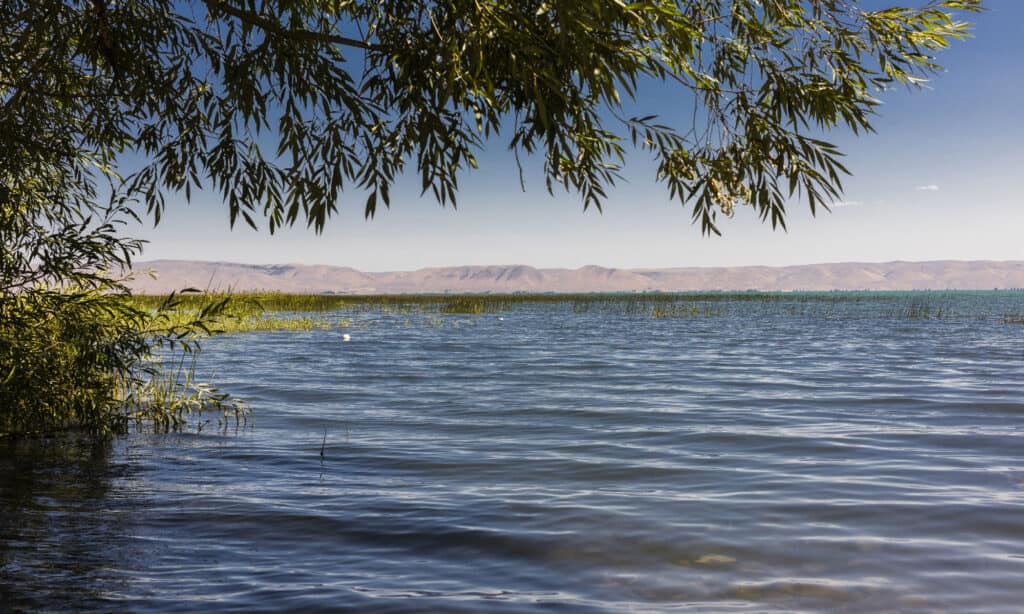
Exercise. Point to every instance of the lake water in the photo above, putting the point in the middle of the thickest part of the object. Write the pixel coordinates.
(815, 452)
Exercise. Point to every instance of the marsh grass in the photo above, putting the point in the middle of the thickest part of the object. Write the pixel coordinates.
(269, 323)
(237, 313)
(470, 306)
(165, 396)
(686, 310)
(250, 303)
(923, 310)
(279, 311)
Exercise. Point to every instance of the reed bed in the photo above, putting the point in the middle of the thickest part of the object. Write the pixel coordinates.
(280, 311)
(236, 313)
(165, 396)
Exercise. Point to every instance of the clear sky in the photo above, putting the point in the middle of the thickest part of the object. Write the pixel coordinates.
(941, 179)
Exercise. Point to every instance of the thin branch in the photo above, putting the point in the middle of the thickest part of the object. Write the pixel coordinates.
(269, 25)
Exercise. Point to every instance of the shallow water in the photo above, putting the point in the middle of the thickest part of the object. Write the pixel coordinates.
(820, 454)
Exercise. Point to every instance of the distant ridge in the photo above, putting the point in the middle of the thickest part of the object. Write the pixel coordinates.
(317, 279)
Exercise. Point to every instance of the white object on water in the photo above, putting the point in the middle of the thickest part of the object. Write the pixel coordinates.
(346, 337)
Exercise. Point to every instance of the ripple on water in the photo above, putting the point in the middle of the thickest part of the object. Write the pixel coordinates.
(581, 461)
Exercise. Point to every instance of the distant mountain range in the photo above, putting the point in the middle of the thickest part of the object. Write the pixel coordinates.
(317, 279)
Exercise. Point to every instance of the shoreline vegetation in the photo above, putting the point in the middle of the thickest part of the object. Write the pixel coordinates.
(271, 311)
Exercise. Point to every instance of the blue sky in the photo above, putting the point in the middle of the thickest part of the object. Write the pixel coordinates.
(939, 180)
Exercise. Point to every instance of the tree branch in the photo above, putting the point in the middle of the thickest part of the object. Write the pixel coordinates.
(273, 27)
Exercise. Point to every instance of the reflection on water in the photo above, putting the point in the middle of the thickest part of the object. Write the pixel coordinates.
(593, 461)
(63, 538)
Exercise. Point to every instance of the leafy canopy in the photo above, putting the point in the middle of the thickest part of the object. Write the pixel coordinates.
(283, 106)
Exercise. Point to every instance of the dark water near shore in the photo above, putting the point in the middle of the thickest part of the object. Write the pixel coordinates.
(813, 454)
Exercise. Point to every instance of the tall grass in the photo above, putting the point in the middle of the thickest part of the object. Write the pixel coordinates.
(165, 396)
(272, 311)
(234, 313)
(250, 303)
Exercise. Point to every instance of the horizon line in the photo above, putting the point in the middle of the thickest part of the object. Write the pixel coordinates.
(585, 266)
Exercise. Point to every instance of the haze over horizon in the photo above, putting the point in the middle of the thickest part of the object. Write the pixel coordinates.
(175, 275)
(145, 261)
(939, 181)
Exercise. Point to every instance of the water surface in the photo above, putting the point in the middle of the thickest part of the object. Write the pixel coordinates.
(816, 452)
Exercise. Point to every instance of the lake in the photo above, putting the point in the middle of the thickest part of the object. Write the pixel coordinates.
(839, 452)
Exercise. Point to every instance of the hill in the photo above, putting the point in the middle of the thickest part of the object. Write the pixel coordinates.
(300, 278)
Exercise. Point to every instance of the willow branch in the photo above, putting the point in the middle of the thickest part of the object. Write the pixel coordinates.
(269, 25)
